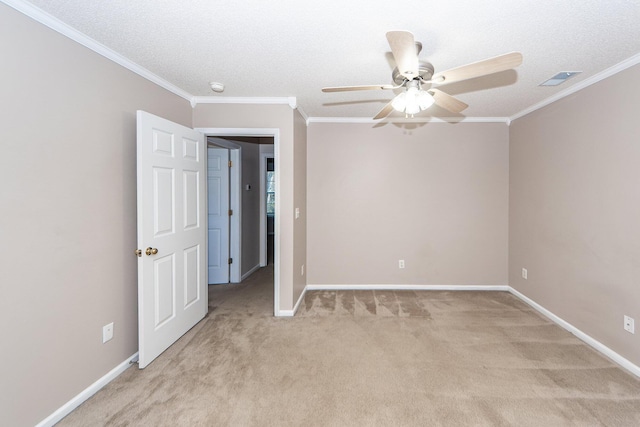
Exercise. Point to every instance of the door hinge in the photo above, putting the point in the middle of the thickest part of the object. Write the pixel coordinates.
(230, 212)
(230, 260)
(230, 163)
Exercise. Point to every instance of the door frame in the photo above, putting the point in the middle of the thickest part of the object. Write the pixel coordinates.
(275, 134)
(235, 204)
(264, 155)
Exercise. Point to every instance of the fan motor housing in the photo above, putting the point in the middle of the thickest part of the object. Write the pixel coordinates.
(425, 71)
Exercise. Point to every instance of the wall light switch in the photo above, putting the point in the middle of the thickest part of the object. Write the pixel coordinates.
(297, 213)
(524, 273)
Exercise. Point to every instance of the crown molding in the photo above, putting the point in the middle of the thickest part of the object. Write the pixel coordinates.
(291, 101)
(303, 114)
(627, 63)
(449, 120)
(55, 24)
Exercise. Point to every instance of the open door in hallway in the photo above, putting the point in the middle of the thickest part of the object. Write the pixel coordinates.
(218, 214)
(172, 221)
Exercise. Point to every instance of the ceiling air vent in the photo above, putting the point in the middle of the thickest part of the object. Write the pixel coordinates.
(559, 78)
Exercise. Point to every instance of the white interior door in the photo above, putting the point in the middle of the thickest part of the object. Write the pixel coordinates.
(218, 214)
(172, 276)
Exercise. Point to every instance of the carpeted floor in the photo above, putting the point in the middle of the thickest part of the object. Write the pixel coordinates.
(369, 358)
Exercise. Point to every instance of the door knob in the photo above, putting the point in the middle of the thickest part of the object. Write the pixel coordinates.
(138, 252)
(151, 251)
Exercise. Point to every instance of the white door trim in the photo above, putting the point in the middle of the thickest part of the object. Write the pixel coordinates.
(235, 204)
(275, 134)
(264, 155)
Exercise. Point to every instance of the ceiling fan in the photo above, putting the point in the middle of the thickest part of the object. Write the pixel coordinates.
(413, 75)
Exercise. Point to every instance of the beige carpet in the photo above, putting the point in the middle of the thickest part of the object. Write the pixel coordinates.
(369, 358)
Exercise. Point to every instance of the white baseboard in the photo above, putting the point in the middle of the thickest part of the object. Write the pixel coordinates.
(285, 313)
(597, 345)
(291, 313)
(365, 287)
(66, 409)
(250, 272)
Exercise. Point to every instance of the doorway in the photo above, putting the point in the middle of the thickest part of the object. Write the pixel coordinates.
(267, 204)
(271, 201)
(236, 136)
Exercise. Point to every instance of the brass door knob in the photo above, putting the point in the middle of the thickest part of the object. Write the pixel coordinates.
(138, 252)
(151, 251)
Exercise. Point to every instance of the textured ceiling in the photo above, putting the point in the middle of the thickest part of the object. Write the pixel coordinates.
(294, 47)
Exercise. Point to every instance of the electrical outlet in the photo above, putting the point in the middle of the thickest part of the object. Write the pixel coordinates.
(629, 324)
(524, 273)
(107, 332)
(401, 263)
(302, 270)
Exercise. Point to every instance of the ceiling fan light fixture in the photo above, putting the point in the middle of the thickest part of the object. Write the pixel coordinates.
(412, 105)
(412, 108)
(412, 101)
(425, 100)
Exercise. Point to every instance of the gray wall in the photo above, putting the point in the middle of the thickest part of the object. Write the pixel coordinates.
(574, 202)
(300, 202)
(250, 206)
(434, 195)
(68, 214)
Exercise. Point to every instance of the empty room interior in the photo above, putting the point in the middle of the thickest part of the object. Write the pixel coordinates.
(431, 213)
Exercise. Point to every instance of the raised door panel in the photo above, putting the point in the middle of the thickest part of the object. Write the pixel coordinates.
(164, 281)
(163, 199)
(191, 202)
(191, 275)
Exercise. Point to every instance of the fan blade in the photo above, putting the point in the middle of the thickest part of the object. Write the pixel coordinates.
(349, 88)
(386, 110)
(447, 101)
(404, 51)
(477, 69)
